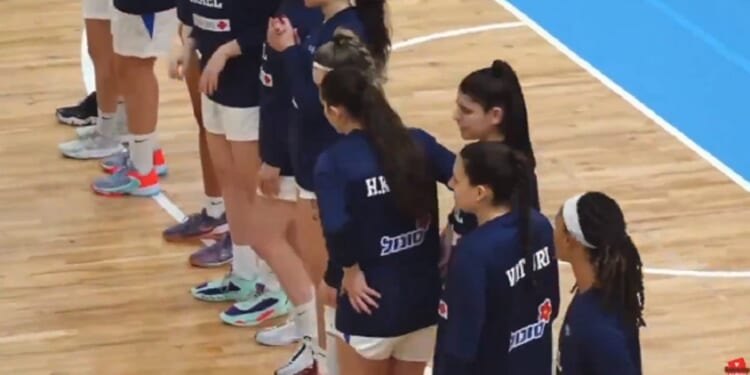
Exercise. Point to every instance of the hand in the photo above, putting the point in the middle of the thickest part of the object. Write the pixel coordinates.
(281, 34)
(179, 61)
(361, 296)
(209, 81)
(446, 248)
(269, 178)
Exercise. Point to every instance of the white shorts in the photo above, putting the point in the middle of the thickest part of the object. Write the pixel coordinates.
(287, 190)
(97, 9)
(417, 346)
(138, 36)
(305, 194)
(235, 124)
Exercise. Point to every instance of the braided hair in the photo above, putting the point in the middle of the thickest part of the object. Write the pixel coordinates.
(615, 258)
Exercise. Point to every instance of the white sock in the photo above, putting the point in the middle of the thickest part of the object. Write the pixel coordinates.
(142, 153)
(267, 277)
(106, 126)
(244, 262)
(332, 364)
(214, 207)
(121, 119)
(306, 320)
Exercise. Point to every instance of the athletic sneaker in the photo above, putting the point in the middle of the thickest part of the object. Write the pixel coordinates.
(281, 335)
(84, 132)
(215, 255)
(127, 181)
(229, 288)
(302, 361)
(95, 146)
(198, 225)
(263, 305)
(118, 161)
(81, 114)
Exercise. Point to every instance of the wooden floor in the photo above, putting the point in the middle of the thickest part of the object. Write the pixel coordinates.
(87, 286)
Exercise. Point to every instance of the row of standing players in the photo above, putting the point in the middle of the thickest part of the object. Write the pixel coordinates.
(339, 171)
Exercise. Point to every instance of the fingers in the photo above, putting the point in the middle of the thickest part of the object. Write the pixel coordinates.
(364, 301)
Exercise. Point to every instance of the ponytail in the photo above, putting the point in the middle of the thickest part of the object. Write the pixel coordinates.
(615, 258)
(404, 163)
(522, 204)
(372, 13)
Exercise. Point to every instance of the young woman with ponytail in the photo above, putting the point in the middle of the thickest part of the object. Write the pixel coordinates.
(310, 132)
(501, 292)
(490, 106)
(377, 193)
(600, 333)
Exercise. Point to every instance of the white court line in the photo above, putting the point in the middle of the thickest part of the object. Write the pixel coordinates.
(617, 89)
(178, 215)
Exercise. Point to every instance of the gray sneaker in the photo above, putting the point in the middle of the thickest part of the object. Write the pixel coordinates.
(94, 146)
(215, 255)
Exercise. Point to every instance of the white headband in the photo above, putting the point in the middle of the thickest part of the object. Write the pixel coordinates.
(570, 218)
(322, 67)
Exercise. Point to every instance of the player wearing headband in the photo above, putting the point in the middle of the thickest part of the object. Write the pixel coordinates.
(600, 333)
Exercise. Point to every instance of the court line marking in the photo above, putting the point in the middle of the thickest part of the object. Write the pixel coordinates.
(632, 100)
(176, 213)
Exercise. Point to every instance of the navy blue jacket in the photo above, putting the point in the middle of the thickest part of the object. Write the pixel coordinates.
(218, 22)
(276, 93)
(310, 132)
(593, 341)
(362, 225)
(491, 321)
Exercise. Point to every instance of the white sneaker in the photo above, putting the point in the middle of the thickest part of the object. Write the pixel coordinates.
(84, 132)
(302, 361)
(281, 335)
(92, 147)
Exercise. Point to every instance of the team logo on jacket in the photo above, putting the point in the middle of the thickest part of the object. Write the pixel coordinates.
(532, 331)
(443, 309)
(404, 241)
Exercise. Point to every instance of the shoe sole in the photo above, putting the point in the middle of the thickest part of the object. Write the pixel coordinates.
(262, 318)
(210, 265)
(75, 121)
(215, 235)
(140, 192)
(91, 156)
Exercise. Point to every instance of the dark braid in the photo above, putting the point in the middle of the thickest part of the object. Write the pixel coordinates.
(615, 258)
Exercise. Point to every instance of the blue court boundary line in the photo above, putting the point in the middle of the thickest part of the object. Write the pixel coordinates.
(176, 213)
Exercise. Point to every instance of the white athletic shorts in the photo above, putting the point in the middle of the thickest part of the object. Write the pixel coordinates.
(305, 194)
(287, 190)
(144, 36)
(97, 9)
(235, 124)
(415, 346)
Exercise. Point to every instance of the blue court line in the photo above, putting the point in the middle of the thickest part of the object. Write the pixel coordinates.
(685, 64)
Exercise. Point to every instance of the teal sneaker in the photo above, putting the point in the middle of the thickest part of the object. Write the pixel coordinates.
(127, 181)
(263, 306)
(229, 288)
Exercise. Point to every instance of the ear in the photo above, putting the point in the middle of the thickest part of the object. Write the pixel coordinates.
(496, 115)
(482, 193)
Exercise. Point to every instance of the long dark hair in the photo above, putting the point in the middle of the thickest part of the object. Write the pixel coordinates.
(615, 257)
(372, 13)
(403, 161)
(498, 86)
(506, 172)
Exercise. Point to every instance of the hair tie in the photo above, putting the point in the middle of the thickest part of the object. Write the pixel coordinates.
(570, 218)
